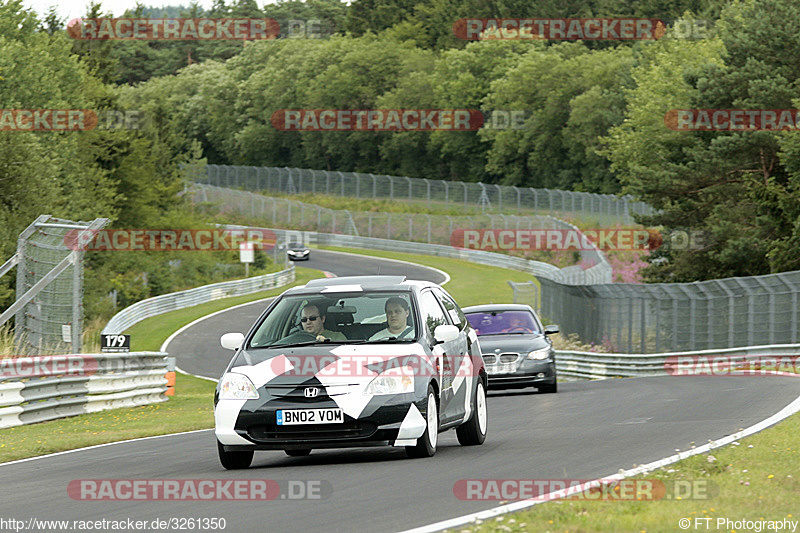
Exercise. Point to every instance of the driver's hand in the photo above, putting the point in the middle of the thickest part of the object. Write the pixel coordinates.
(321, 338)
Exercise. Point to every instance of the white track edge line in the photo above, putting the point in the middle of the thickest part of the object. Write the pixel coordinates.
(192, 323)
(784, 413)
(442, 272)
(102, 446)
(163, 348)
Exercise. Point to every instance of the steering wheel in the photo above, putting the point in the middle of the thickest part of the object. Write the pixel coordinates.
(298, 336)
(523, 329)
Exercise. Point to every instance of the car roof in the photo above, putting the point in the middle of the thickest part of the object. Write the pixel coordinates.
(360, 284)
(488, 308)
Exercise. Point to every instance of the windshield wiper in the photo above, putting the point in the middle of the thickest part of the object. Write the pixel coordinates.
(303, 343)
(387, 340)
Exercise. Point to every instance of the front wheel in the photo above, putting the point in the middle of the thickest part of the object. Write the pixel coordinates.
(473, 431)
(548, 389)
(298, 453)
(234, 460)
(426, 444)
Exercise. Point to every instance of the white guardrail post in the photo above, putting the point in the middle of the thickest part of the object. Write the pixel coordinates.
(178, 300)
(36, 389)
(574, 365)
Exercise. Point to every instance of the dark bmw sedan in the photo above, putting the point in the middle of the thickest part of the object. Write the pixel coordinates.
(516, 349)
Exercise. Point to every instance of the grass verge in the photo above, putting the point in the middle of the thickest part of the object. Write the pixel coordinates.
(757, 479)
(470, 284)
(191, 408)
(148, 335)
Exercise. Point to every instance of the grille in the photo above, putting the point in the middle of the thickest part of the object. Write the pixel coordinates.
(489, 359)
(348, 430)
(509, 357)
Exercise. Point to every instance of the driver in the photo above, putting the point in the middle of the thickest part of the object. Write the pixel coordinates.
(313, 322)
(397, 311)
(517, 323)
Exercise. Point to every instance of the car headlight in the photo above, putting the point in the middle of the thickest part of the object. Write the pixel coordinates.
(394, 383)
(237, 387)
(539, 354)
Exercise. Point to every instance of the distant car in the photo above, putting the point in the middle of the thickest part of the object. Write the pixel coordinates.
(516, 349)
(298, 253)
(352, 361)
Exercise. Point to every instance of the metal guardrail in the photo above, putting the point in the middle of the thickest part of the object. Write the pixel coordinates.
(36, 389)
(569, 275)
(395, 227)
(597, 365)
(48, 310)
(487, 197)
(178, 300)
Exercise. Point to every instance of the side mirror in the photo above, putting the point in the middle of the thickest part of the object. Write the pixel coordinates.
(231, 341)
(551, 329)
(445, 333)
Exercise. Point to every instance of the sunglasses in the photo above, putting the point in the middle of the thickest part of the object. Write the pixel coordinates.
(308, 318)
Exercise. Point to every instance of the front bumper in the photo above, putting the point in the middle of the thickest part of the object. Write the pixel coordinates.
(397, 421)
(526, 375)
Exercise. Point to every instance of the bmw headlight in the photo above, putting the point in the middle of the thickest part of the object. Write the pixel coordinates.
(237, 387)
(539, 354)
(392, 383)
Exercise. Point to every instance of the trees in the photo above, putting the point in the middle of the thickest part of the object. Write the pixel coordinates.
(572, 95)
(740, 186)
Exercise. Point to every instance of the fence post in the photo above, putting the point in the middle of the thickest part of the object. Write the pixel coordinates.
(429, 228)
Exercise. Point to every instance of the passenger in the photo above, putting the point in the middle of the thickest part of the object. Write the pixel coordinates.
(397, 311)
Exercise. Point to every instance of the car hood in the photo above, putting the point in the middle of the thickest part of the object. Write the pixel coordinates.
(330, 365)
(512, 343)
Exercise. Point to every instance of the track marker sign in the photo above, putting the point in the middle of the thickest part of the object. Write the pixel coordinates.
(114, 343)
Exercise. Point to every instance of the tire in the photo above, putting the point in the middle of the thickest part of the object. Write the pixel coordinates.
(426, 444)
(298, 453)
(473, 431)
(549, 388)
(234, 460)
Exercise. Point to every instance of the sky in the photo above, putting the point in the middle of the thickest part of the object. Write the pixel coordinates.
(70, 9)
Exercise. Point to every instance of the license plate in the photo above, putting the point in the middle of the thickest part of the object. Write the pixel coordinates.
(502, 368)
(290, 417)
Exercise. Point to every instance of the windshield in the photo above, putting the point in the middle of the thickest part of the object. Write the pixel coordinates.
(503, 323)
(339, 318)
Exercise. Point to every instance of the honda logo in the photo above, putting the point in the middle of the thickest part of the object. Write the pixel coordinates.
(311, 392)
